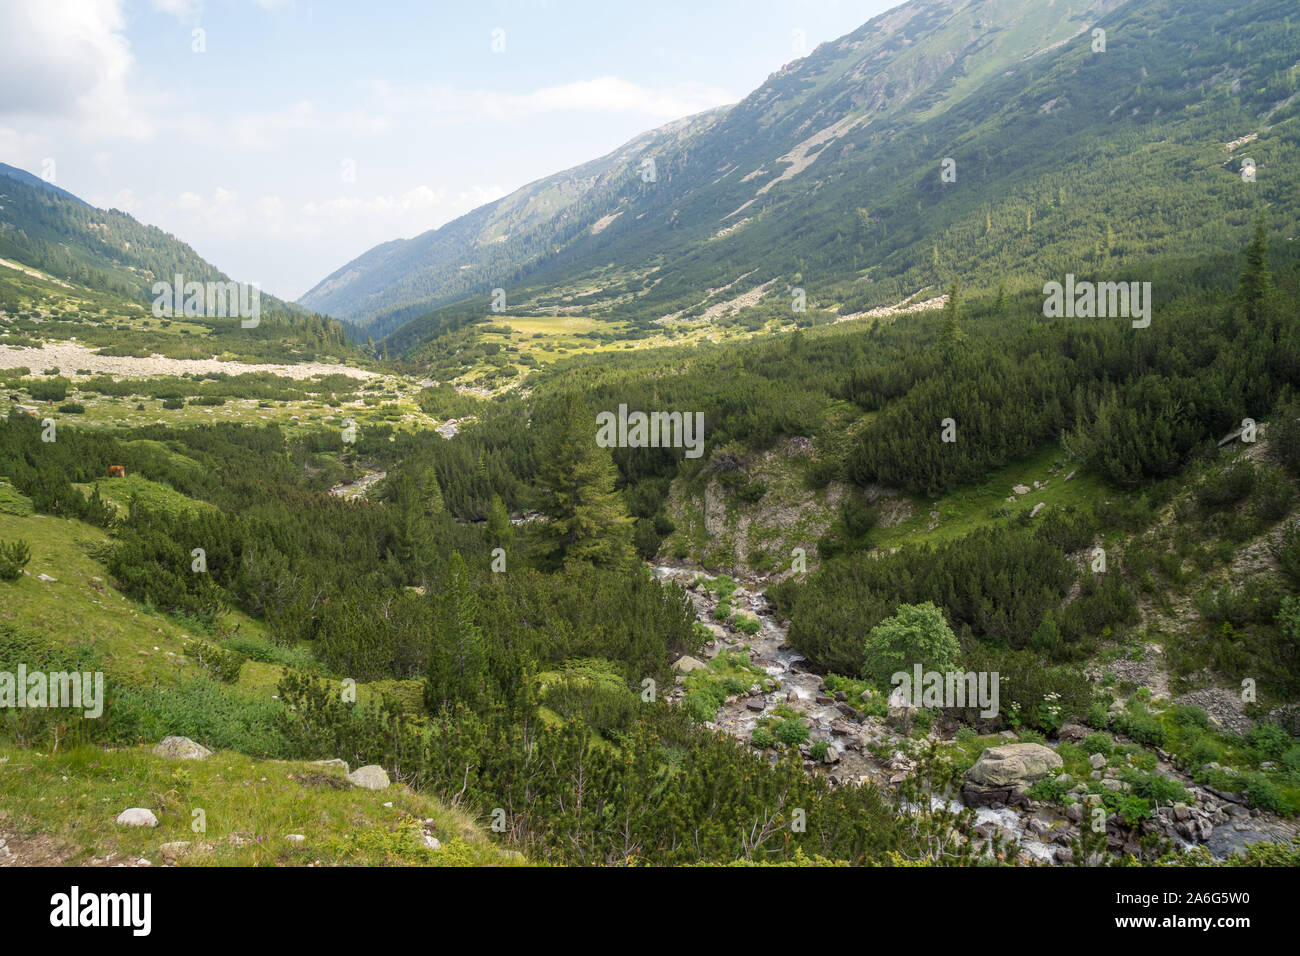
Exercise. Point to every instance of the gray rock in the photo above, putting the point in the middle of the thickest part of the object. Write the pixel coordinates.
(181, 748)
(1097, 761)
(1002, 774)
(137, 817)
(685, 664)
(371, 777)
(1224, 708)
(1073, 732)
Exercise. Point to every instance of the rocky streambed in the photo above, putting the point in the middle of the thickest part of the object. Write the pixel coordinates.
(864, 749)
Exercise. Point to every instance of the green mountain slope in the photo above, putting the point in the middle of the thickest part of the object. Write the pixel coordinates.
(399, 280)
(71, 271)
(51, 230)
(828, 177)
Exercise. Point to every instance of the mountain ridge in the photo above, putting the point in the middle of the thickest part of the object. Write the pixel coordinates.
(828, 176)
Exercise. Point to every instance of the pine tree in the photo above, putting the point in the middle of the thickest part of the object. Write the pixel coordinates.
(588, 519)
(499, 527)
(457, 661)
(1256, 280)
(415, 540)
(951, 335)
(433, 503)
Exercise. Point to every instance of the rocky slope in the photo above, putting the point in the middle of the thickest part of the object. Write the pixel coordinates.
(859, 747)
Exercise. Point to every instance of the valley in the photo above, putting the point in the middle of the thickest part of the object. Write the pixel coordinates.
(594, 526)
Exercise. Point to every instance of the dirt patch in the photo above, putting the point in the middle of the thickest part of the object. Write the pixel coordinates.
(68, 357)
(315, 779)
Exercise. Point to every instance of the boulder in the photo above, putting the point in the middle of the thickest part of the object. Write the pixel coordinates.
(137, 817)
(1073, 732)
(181, 748)
(372, 777)
(685, 664)
(1002, 774)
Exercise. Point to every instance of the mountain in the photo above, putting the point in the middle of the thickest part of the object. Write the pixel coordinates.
(23, 176)
(50, 229)
(394, 282)
(829, 176)
(94, 271)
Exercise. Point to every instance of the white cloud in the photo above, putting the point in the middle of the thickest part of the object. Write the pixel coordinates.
(71, 59)
(24, 150)
(124, 200)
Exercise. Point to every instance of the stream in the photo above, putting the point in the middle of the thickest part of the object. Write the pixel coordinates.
(1040, 832)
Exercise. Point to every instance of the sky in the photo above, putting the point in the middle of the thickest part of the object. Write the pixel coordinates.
(282, 138)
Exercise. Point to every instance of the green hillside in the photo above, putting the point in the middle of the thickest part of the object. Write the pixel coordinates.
(829, 177)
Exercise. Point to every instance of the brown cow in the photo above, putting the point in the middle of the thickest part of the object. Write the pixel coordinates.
(116, 471)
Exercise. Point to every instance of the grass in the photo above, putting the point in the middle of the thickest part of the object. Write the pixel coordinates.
(153, 494)
(136, 644)
(13, 501)
(969, 508)
(80, 606)
(64, 806)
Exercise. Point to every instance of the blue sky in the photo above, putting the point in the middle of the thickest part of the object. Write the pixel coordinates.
(304, 132)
